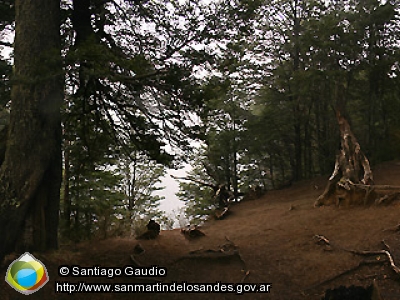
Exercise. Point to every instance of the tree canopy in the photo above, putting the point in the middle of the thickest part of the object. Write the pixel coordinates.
(256, 81)
(301, 60)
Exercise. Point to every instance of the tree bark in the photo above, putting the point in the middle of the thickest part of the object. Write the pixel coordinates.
(67, 198)
(30, 177)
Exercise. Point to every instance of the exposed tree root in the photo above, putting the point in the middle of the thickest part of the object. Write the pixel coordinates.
(395, 268)
(247, 273)
(135, 262)
(220, 214)
(395, 228)
(211, 254)
(345, 272)
(352, 176)
(386, 245)
(323, 240)
(386, 199)
(378, 186)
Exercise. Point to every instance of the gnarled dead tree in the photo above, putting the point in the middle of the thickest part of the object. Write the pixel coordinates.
(351, 180)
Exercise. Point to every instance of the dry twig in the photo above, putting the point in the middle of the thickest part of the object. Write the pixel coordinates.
(321, 239)
(386, 245)
(245, 275)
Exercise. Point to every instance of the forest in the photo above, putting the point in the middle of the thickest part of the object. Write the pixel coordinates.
(98, 99)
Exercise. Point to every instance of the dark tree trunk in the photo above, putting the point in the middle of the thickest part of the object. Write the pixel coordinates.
(67, 198)
(271, 171)
(30, 176)
(298, 150)
(81, 20)
(308, 162)
(297, 175)
(235, 161)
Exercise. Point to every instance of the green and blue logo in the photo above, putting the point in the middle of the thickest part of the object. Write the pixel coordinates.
(27, 274)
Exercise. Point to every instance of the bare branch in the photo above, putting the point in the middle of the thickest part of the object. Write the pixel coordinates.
(6, 44)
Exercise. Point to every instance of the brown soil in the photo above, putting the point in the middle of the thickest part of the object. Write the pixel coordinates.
(273, 238)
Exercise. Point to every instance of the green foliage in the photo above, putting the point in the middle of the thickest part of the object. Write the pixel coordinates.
(199, 202)
(109, 195)
(92, 189)
(272, 107)
(142, 179)
(131, 85)
(263, 77)
(107, 192)
(137, 61)
(107, 186)
(323, 56)
(197, 193)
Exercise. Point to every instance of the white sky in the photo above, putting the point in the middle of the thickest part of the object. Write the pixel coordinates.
(171, 202)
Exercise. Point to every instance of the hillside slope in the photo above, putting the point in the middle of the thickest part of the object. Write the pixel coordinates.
(268, 240)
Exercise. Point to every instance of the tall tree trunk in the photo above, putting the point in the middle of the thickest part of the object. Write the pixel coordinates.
(67, 198)
(235, 160)
(295, 99)
(271, 171)
(30, 176)
(297, 175)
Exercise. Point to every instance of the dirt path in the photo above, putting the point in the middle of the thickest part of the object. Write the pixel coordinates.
(272, 238)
